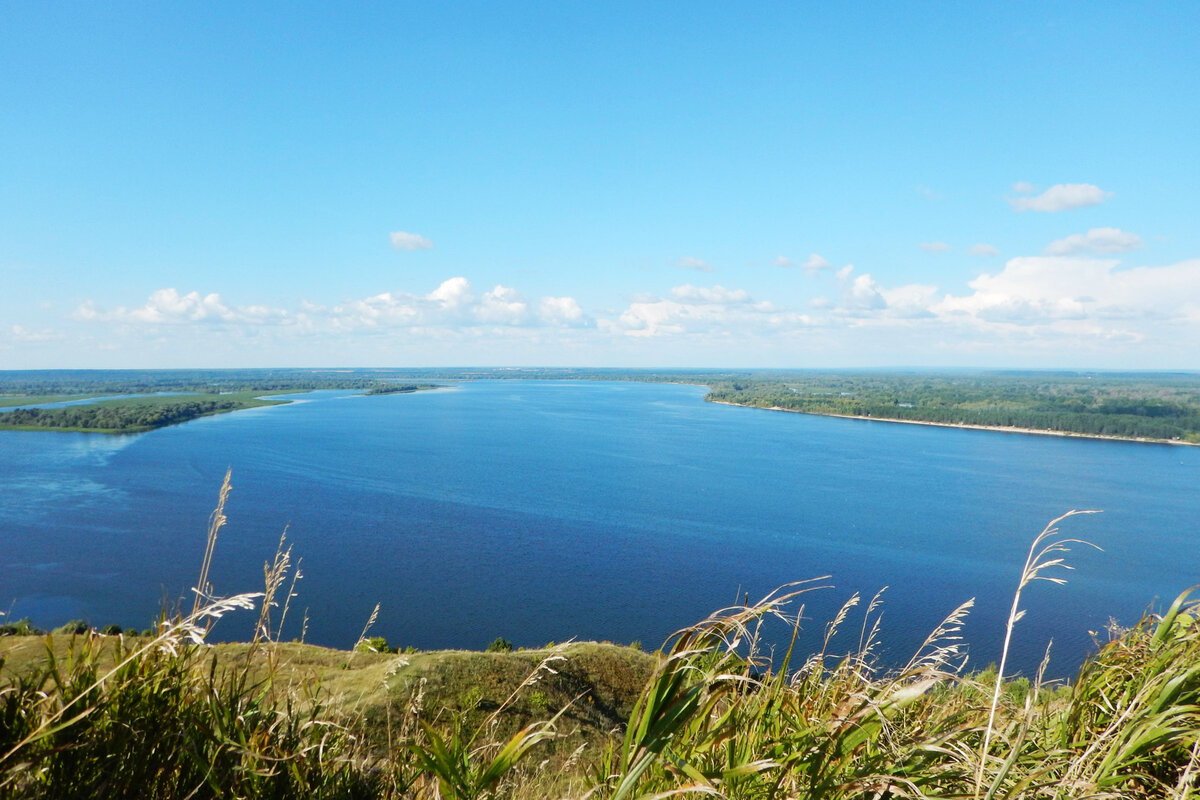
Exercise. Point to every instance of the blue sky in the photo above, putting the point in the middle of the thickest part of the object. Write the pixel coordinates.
(642, 184)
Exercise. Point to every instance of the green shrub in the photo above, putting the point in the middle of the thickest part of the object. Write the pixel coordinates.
(21, 627)
(374, 644)
(500, 645)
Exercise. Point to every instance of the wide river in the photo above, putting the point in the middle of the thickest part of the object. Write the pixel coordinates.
(541, 511)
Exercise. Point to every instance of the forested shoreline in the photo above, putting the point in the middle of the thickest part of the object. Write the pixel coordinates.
(128, 416)
(1165, 408)
(1140, 406)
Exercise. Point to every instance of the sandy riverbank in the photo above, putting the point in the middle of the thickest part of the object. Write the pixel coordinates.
(998, 428)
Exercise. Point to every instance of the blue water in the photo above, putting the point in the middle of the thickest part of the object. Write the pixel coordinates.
(542, 511)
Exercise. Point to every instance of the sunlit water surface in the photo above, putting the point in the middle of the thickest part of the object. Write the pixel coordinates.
(542, 511)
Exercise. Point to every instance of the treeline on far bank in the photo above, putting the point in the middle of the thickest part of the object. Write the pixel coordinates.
(1133, 406)
(128, 415)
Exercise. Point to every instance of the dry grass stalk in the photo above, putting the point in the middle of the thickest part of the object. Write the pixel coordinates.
(203, 590)
(1041, 557)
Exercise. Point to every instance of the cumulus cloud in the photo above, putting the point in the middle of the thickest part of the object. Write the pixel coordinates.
(1075, 301)
(815, 263)
(935, 247)
(452, 293)
(687, 262)
(561, 311)
(983, 250)
(702, 310)
(1051, 289)
(783, 261)
(862, 294)
(1023, 187)
(1096, 240)
(910, 301)
(714, 294)
(1060, 197)
(453, 306)
(502, 305)
(168, 306)
(402, 240)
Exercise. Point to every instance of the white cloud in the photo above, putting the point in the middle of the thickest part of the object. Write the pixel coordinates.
(502, 305)
(402, 240)
(815, 263)
(652, 318)
(1061, 197)
(909, 301)
(983, 250)
(1039, 309)
(23, 335)
(561, 311)
(452, 293)
(698, 310)
(1096, 240)
(1022, 187)
(687, 262)
(715, 294)
(1053, 289)
(862, 294)
(169, 307)
(783, 261)
(935, 247)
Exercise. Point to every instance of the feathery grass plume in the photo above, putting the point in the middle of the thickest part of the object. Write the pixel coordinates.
(287, 600)
(680, 716)
(866, 640)
(942, 646)
(362, 637)
(274, 574)
(172, 638)
(203, 589)
(1041, 558)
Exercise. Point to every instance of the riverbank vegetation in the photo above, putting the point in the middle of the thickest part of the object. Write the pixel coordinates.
(713, 713)
(1155, 406)
(134, 401)
(131, 414)
(1163, 407)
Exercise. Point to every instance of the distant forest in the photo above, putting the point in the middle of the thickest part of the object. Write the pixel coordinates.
(1150, 406)
(1160, 405)
(129, 415)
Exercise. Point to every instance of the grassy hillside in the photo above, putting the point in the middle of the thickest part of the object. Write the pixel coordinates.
(109, 716)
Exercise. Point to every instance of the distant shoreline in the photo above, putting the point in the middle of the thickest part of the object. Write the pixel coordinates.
(968, 426)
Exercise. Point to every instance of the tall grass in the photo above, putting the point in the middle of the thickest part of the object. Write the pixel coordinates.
(164, 717)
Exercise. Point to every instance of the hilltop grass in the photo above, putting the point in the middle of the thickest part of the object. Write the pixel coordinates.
(93, 716)
(168, 716)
